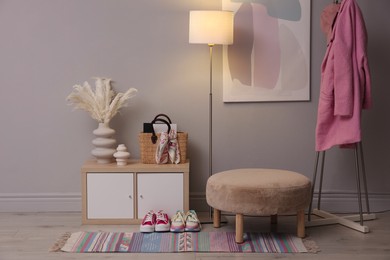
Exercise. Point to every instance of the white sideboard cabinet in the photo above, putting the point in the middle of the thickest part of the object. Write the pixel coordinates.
(114, 194)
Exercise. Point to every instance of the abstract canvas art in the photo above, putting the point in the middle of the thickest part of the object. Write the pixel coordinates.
(270, 57)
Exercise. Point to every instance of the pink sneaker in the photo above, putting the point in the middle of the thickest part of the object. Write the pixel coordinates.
(148, 223)
(162, 222)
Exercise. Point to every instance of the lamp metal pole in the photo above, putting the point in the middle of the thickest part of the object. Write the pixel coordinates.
(211, 118)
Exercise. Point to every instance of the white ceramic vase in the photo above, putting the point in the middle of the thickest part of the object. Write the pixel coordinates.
(122, 155)
(104, 143)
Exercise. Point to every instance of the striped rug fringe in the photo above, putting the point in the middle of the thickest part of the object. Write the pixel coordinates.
(311, 245)
(61, 241)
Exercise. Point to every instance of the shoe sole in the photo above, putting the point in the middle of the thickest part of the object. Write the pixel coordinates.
(162, 228)
(177, 230)
(146, 229)
(192, 229)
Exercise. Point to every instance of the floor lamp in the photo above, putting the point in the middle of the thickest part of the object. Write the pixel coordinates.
(211, 28)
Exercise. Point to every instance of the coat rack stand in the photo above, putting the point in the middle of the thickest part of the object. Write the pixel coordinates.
(327, 218)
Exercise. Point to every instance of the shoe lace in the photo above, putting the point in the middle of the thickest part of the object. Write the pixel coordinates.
(192, 217)
(178, 217)
(161, 216)
(148, 217)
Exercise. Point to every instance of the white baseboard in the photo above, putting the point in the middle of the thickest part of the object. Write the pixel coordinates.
(335, 202)
(339, 202)
(40, 202)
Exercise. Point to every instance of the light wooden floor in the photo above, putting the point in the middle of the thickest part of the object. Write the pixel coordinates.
(29, 236)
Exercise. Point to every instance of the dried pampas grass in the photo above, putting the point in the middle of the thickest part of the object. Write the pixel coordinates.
(104, 103)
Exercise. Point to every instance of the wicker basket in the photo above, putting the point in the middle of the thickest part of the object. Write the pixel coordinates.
(148, 149)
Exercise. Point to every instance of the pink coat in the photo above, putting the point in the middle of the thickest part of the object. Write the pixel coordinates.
(345, 81)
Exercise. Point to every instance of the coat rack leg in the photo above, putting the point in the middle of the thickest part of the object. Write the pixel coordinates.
(359, 192)
(321, 179)
(313, 184)
(360, 147)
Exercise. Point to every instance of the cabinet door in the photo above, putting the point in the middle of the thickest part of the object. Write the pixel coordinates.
(159, 191)
(110, 196)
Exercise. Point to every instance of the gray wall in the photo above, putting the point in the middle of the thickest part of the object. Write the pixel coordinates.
(48, 46)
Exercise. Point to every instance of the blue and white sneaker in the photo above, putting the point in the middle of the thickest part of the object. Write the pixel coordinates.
(192, 222)
(177, 222)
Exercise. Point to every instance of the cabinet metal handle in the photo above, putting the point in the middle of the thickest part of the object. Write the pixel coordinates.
(130, 197)
(141, 196)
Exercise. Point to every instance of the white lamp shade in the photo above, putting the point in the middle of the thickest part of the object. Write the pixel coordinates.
(211, 27)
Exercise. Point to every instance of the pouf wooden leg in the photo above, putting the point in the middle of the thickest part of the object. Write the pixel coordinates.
(301, 223)
(217, 218)
(239, 228)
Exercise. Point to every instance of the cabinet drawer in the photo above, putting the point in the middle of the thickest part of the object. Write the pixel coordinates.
(110, 196)
(159, 191)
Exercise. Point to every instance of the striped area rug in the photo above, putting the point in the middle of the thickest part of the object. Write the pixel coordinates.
(122, 242)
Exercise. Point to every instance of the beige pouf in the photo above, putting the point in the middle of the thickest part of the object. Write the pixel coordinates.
(258, 192)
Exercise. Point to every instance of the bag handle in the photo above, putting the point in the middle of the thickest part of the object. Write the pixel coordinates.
(154, 136)
(163, 115)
